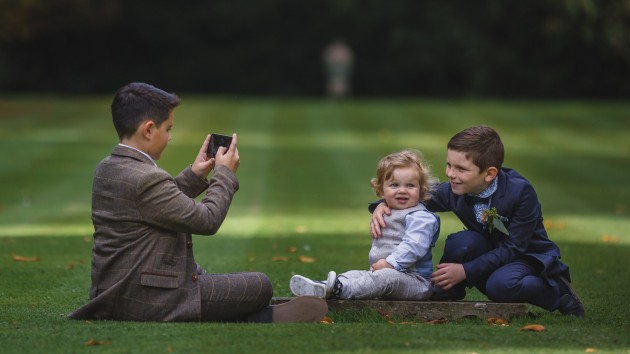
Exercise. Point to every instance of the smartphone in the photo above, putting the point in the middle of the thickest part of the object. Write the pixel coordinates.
(216, 141)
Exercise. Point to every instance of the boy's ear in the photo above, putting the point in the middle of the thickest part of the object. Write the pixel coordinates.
(491, 173)
(146, 128)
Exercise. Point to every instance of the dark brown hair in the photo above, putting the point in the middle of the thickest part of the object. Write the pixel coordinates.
(137, 102)
(481, 144)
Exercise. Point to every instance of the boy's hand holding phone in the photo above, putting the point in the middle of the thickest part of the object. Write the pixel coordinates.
(225, 151)
(216, 141)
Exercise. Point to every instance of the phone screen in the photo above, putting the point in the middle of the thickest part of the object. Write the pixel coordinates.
(216, 141)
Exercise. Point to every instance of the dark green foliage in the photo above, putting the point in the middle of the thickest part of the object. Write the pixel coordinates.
(537, 48)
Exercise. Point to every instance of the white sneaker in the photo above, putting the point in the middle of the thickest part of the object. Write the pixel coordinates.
(301, 286)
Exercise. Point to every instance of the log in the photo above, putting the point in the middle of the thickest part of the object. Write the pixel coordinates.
(428, 310)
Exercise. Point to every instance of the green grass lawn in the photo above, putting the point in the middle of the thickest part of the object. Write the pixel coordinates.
(305, 171)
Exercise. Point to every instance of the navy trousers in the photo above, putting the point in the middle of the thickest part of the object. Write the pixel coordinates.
(518, 281)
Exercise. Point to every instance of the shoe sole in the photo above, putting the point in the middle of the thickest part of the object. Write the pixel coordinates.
(302, 309)
(301, 286)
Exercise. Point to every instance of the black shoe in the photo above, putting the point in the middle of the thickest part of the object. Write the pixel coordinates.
(570, 303)
(438, 294)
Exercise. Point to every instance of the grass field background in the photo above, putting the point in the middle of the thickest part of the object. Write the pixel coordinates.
(305, 171)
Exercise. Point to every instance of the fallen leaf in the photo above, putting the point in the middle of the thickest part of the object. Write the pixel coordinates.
(387, 317)
(279, 259)
(606, 238)
(93, 342)
(437, 321)
(25, 259)
(326, 320)
(498, 321)
(533, 328)
(307, 259)
(590, 350)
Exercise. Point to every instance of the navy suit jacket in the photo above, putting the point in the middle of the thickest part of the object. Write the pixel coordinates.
(516, 200)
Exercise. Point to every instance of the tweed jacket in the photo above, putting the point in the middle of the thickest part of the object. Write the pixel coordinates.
(143, 268)
(516, 200)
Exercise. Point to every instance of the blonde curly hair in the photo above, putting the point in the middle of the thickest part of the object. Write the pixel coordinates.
(400, 159)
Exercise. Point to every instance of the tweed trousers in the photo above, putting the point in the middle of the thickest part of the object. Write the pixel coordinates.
(234, 296)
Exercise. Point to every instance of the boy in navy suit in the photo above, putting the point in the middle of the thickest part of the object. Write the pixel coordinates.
(504, 251)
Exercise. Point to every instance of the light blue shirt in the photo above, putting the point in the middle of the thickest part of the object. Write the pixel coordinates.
(417, 241)
(488, 192)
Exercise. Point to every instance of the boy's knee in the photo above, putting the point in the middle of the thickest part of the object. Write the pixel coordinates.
(266, 287)
(464, 245)
(500, 289)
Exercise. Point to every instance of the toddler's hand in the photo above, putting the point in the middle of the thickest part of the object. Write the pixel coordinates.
(381, 264)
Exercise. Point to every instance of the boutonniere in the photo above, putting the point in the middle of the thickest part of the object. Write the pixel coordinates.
(492, 218)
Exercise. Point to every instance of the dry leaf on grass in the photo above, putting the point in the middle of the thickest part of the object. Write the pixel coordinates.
(326, 320)
(292, 249)
(386, 316)
(25, 259)
(606, 238)
(92, 342)
(498, 321)
(533, 328)
(279, 259)
(590, 350)
(307, 259)
(437, 321)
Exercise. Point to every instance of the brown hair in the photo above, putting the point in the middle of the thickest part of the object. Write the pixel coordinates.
(404, 158)
(481, 144)
(137, 102)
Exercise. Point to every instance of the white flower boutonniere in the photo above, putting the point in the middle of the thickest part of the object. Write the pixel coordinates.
(492, 218)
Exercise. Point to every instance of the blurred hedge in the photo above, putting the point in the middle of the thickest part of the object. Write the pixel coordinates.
(501, 48)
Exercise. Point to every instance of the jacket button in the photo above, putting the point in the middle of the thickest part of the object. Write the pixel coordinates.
(189, 244)
(194, 278)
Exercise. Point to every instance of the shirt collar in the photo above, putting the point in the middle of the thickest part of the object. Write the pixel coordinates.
(489, 190)
(140, 151)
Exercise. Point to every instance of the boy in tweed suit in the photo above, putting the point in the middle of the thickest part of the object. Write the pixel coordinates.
(505, 251)
(143, 268)
(400, 260)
